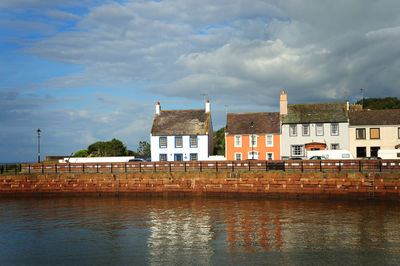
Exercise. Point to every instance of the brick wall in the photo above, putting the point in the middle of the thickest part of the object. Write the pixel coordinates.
(259, 184)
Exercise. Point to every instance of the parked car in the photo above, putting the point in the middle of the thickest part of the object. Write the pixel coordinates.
(372, 158)
(137, 160)
(318, 158)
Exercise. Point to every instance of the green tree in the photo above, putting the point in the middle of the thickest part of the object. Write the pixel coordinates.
(380, 103)
(219, 142)
(81, 153)
(114, 147)
(144, 149)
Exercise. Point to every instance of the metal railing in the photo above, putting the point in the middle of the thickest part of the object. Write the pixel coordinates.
(209, 166)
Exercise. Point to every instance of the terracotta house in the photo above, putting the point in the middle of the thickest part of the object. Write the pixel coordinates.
(252, 136)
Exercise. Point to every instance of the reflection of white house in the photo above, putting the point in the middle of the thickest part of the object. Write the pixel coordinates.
(371, 130)
(176, 231)
(181, 135)
(313, 126)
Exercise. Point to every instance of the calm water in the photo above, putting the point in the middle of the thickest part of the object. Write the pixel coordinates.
(197, 231)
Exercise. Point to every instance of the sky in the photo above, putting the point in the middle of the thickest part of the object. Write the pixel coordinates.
(91, 70)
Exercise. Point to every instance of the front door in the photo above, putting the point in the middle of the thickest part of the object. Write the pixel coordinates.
(178, 157)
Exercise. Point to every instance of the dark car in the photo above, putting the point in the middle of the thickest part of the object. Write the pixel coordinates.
(372, 158)
(137, 160)
(318, 158)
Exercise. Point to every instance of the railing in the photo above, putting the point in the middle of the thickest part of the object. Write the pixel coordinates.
(10, 168)
(213, 166)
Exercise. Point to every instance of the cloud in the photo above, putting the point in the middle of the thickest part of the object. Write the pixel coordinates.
(241, 53)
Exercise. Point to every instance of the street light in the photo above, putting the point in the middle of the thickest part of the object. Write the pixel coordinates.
(251, 139)
(38, 135)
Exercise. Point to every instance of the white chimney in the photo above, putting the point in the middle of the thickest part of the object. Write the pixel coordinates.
(283, 103)
(208, 107)
(158, 108)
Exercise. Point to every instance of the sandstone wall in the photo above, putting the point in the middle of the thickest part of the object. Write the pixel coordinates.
(260, 184)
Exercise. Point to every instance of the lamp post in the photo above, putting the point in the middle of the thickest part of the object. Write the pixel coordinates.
(251, 139)
(38, 135)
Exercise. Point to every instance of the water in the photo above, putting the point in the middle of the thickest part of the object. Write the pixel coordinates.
(197, 231)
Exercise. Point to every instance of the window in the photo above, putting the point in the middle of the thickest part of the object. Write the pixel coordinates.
(335, 129)
(270, 156)
(361, 152)
(293, 130)
(193, 141)
(374, 133)
(374, 151)
(253, 155)
(360, 133)
(238, 141)
(306, 130)
(163, 142)
(269, 140)
(297, 150)
(193, 157)
(253, 140)
(163, 157)
(238, 156)
(178, 142)
(319, 129)
(398, 133)
(335, 146)
(178, 157)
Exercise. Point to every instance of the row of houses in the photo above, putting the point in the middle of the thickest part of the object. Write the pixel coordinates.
(187, 135)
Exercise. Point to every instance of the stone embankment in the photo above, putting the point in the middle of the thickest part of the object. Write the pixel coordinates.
(260, 184)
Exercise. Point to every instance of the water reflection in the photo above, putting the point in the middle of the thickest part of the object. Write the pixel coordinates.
(197, 231)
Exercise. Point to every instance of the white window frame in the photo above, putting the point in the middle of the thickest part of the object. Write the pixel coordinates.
(256, 155)
(238, 154)
(269, 153)
(251, 137)
(363, 130)
(271, 144)
(301, 154)
(238, 141)
(333, 144)
(304, 126)
(319, 129)
(293, 130)
(333, 125)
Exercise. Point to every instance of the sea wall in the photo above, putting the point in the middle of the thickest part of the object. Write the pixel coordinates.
(354, 185)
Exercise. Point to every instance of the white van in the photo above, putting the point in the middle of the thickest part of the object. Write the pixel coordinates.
(389, 154)
(330, 155)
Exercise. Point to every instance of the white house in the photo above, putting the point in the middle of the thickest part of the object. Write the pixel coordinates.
(313, 126)
(181, 135)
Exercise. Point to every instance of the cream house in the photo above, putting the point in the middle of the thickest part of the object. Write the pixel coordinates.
(371, 130)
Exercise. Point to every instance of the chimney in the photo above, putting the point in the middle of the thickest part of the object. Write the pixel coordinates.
(158, 108)
(208, 107)
(283, 103)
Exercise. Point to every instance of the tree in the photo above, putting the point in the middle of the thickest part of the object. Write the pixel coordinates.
(81, 153)
(114, 147)
(219, 142)
(144, 149)
(380, 103)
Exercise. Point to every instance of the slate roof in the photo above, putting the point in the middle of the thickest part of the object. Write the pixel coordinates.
(264, 123)
(181, 122)
(334, 112)
(375, 117)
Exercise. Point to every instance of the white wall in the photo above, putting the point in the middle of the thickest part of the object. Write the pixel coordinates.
(342, 139)
(201, 150)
